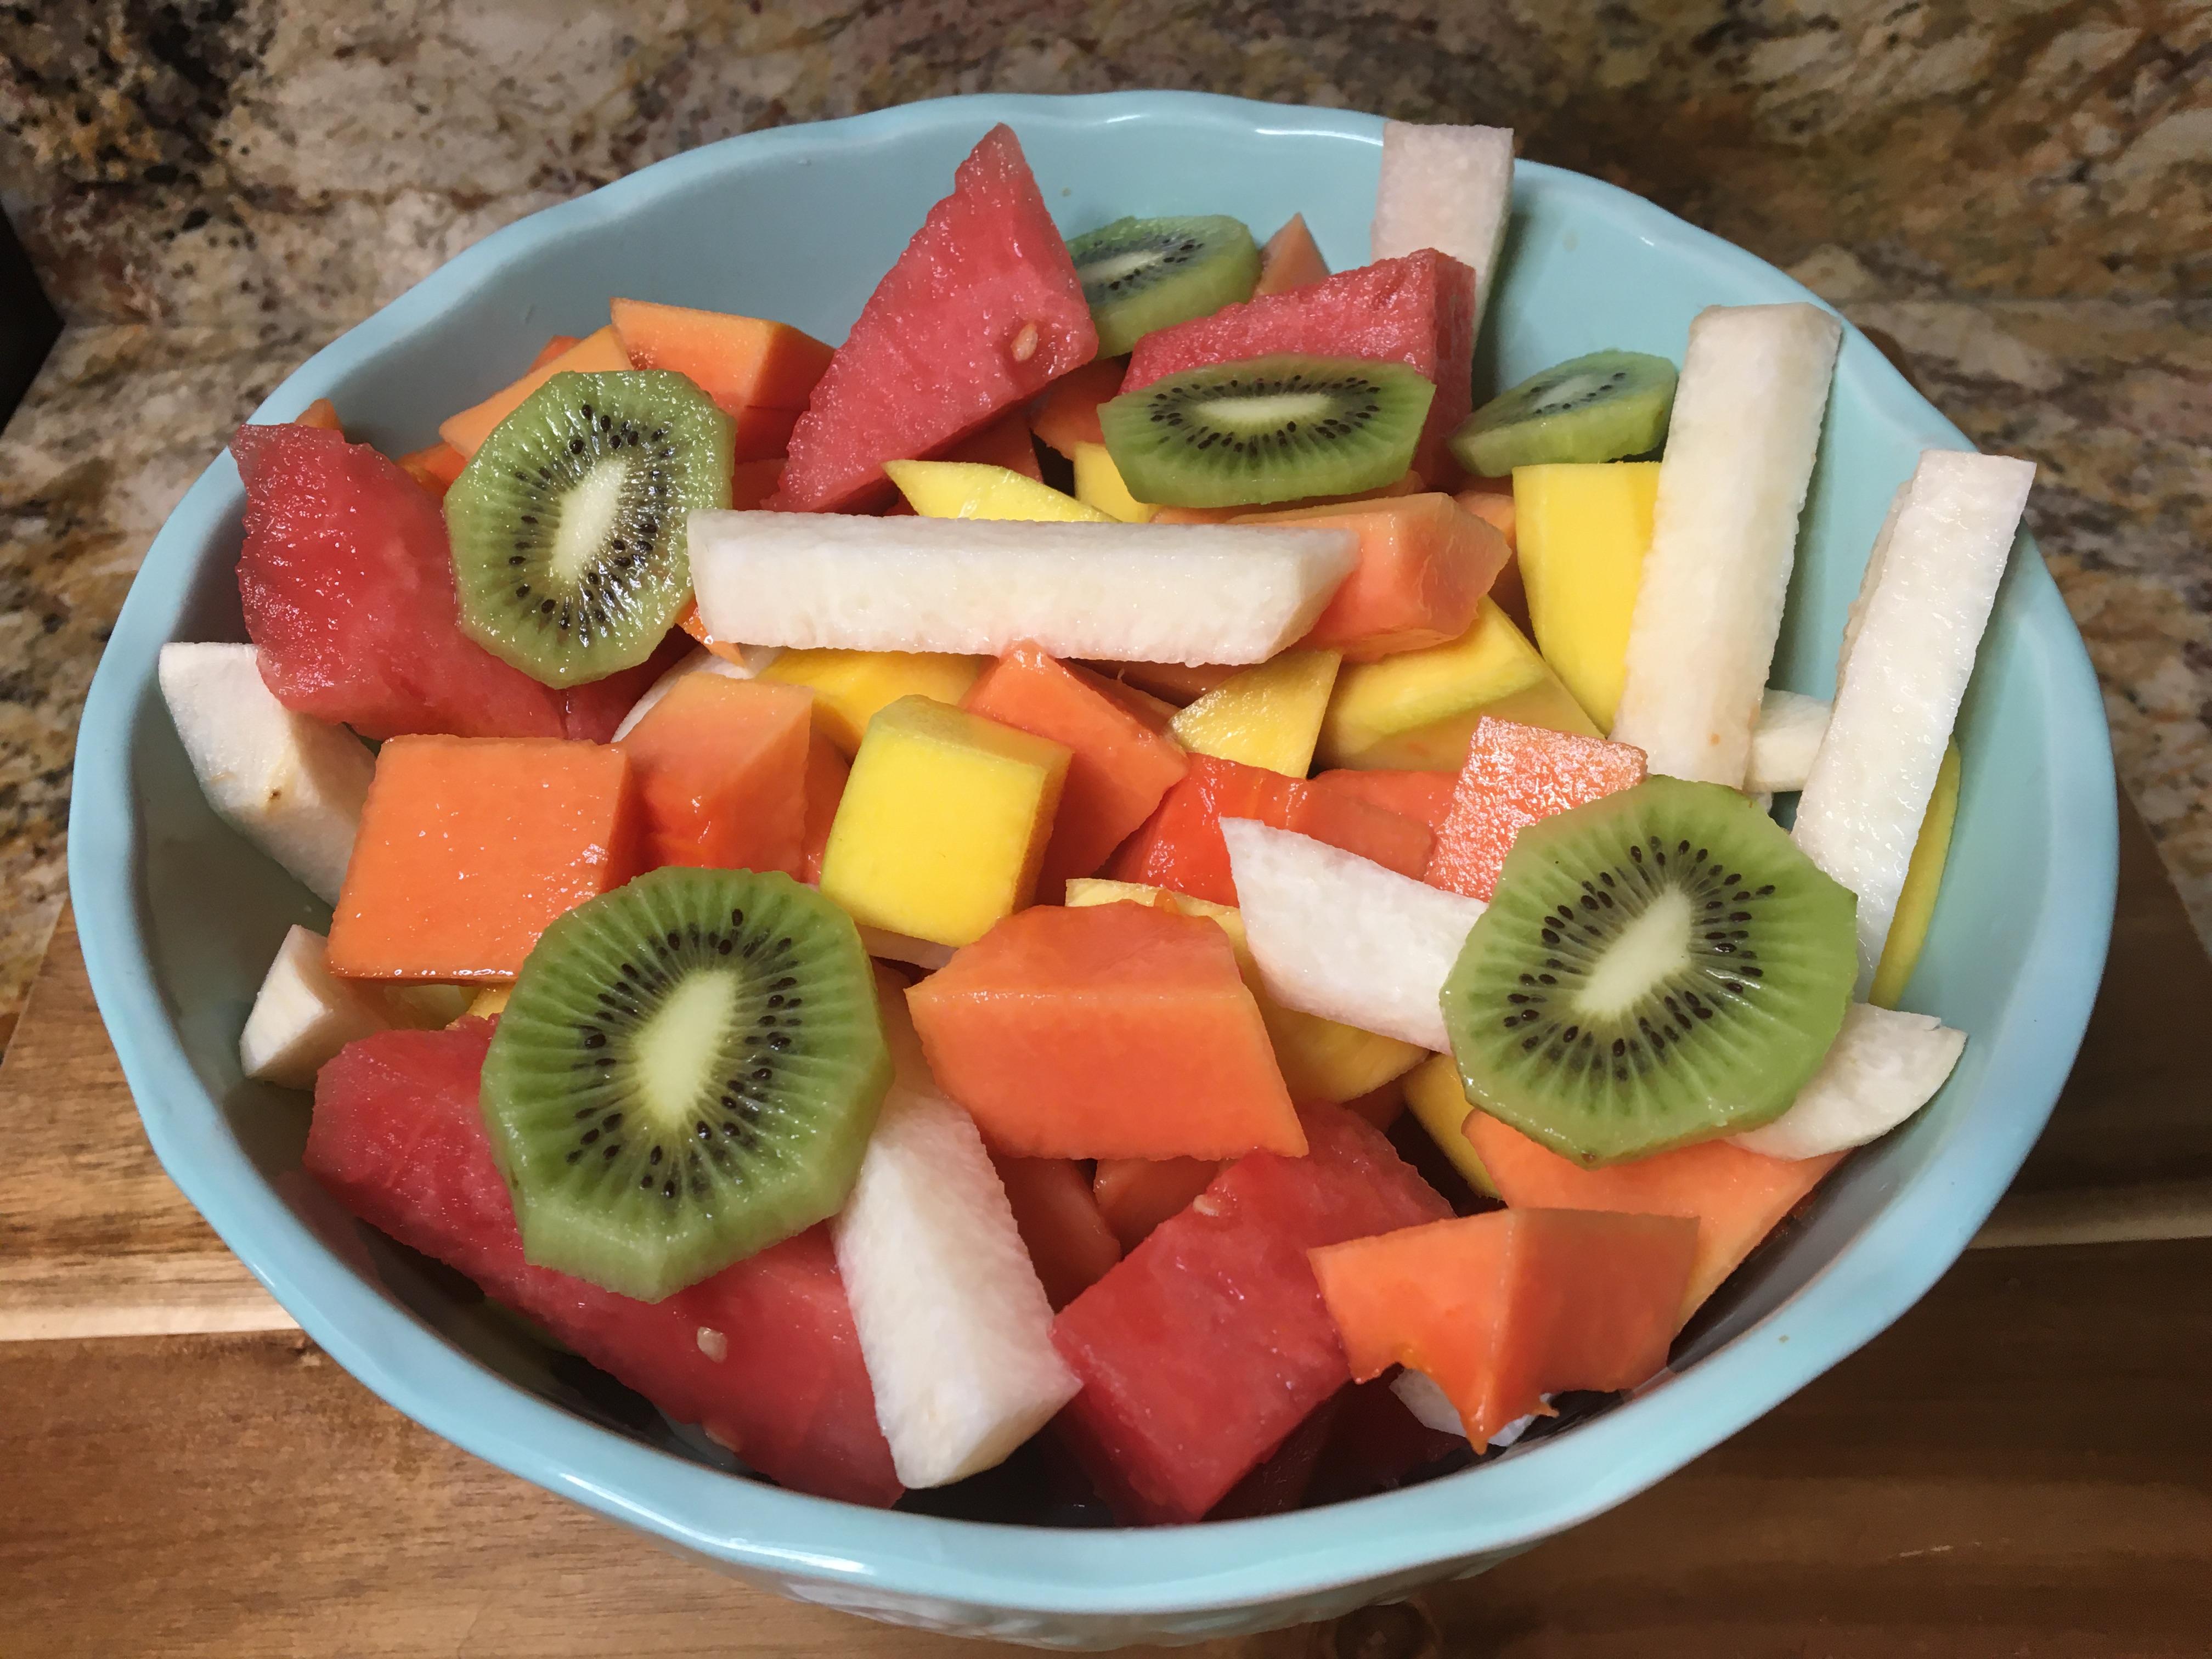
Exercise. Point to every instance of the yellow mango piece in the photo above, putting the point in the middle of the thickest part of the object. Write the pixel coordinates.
(1923, 878)
(1440, 1105)
(943, 823)
(1098, 483)
(1418, 709)
(969, 490)
(492, 1000)
(1267, 716)
(1320, 1058)
(1582, 532)
(849, 687)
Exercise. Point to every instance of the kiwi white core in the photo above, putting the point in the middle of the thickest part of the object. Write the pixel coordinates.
(680, 1048)
(1651, 948)
(1265, 414)
(587, 518)
(1121, 264)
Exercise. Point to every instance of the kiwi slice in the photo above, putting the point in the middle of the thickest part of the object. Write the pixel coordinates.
(1658, 966)
(1270, 429)
(687, 1072)
(1139, 275)
(568, 524)
(1602, 407)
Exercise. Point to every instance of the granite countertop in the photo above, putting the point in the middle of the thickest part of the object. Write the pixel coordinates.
(2019, 198)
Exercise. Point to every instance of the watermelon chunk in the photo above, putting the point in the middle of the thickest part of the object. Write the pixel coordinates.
(981, 312)
(1418, 310)
(1209, 1344)
(1514, 776)
(764, 1355)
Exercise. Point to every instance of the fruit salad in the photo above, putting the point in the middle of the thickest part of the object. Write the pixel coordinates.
(1118, 873)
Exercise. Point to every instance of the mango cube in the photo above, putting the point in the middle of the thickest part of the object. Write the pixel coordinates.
(1267, 716)
(970, 490)
(944, 822)
(1582, 532)
(1418, 709)
(1098, 483)
(1923, 878)
(1438, 1102)
(850, 686)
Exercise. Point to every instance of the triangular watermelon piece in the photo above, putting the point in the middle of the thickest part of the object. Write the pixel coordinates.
(1418, 310)
(980, 313)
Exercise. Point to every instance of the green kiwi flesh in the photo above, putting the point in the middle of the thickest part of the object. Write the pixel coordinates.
(1604, 407)
(1658, 966)
(1270, 429)
(687, 1072)
(568, 522)
(1139, 275)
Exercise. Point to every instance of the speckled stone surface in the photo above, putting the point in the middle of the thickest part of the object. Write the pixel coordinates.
(2019, 195)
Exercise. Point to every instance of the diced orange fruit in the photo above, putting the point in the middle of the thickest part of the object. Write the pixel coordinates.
(1119, 765)
(1514, 776)
(1067, 413)
(827, 768)
(434, 468)
(741, 362)
(1494, 507)
(1410, 483)
(595, 354)
(321, 413)
(470, 847)
(555, 345)
(1006, 442)
(761, 435)
(1135, 1194)
(752, 482)
(1425, 797)
(1503, 1308)
(720, 766)
(1115, 1031)
(1069, 1243)
(1180, 845)
(1735, 1197)
(1290, 260)
(1425, 564)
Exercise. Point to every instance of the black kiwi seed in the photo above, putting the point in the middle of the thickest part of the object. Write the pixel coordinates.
(679, 1053)
(554, 492)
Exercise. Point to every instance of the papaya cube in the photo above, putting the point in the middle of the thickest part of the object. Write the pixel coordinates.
(1208, 1344)
(826, 773)
(1425, 564)
(1736, 1197)
(850, 687)
(1069, 1243)
(1267, 716)
(1514, 776)
(1290, 260)
(469, 847)
(720, 770)
(594, 353)
(1135, 1194)
(1180, 845)
(1418, 709)
(1067, 413)
(1115, 1031)
(944, 822)
(1503, 1309)
(1119, 761)
(1425, 797)
(741, 362)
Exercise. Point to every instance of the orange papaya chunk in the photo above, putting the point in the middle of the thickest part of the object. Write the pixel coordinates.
(1135, 1194)
(1068, 1241)
(741, 362)
(594, 353)
(1425, 797)
(1290, 260)
(720, 770)
(827, 768)
(1067, 413)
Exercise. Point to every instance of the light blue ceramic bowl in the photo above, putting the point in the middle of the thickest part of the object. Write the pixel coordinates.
(178, 917)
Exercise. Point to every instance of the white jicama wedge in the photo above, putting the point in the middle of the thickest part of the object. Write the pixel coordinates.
(1783, 743)
(954, 1327)
(291, 784)
(701, 661)
(1419, 1394)
(1449, 188)
(1884, 1065)
(1339, 936)
(887, 946)
(304, 1014)
(1919, 628)
(1739, 449)
(1126, 593)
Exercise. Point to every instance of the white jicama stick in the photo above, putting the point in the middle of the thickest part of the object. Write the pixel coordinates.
(1421, 1393)
(887, 946)
(1739, 449)
(701, 661)
(1907, 674)
(954, 1326)
(1783, 743)
(1446, 187)
(291, 784)
(1883, 1066)
(1339, 936)
(1124, 593)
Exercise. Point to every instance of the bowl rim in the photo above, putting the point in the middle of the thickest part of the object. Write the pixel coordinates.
(851, 1553)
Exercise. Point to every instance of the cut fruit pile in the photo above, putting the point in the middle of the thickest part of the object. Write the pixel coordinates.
(911, 895)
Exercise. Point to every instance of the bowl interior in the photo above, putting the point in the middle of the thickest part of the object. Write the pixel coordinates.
(179, 917)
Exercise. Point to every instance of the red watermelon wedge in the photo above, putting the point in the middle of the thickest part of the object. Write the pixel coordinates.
(763, 1355)
(1418, 310)
(980, 313)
